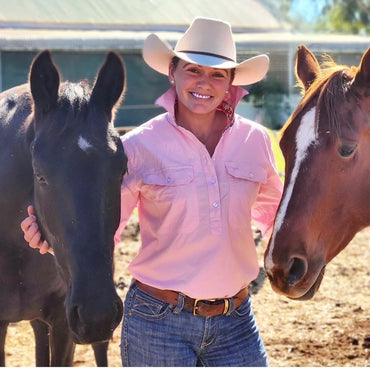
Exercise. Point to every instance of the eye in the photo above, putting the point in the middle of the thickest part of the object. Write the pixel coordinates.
(193, 70)
(346, 150)
(41, 179)
(220, 75)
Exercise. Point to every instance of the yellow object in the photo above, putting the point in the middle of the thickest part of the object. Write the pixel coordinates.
(280, 162)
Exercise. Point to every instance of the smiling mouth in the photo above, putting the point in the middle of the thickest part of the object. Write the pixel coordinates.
(199, 96)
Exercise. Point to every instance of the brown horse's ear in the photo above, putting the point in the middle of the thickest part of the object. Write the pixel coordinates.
(44, 80)
(363, 75)
(307, 68)
(110, 83)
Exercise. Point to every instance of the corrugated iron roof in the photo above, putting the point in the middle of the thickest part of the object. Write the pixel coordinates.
(243, 15)
(124, 24)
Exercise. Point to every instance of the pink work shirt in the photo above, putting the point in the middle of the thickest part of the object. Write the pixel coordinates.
(195, 211)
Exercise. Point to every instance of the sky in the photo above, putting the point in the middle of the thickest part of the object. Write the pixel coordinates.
(307, 9)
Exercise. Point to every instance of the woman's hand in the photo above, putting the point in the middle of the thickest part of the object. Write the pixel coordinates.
(32, 233)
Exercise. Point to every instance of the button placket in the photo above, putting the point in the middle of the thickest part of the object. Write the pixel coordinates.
(213, 193)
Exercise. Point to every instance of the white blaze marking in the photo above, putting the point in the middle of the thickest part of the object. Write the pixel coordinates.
(83, 144)
(305, 137)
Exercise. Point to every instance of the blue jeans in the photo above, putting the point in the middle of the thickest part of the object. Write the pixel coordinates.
(155, 333)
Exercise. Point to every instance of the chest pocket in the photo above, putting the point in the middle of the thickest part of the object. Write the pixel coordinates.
(170, 176)
(170, 195)
(243, 171)
(244, 180)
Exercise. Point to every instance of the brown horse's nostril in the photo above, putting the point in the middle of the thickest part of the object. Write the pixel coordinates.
(297, 269)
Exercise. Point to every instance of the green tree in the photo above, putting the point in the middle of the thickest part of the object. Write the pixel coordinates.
(272, 98)
(341, 16)
(345, 16)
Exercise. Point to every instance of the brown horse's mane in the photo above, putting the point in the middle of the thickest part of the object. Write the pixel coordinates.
(332, 83)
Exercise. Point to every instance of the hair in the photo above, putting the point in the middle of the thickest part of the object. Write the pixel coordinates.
(175, 62)
(333, 82)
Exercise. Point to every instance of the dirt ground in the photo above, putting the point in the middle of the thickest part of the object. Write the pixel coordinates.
(332, 329)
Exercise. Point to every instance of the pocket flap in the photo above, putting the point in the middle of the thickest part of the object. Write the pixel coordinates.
(245, 170)
(170, 176)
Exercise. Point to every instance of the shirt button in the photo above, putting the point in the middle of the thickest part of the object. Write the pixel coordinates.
(169, 180)
(213, 181)
(251, 175)
(215, 204)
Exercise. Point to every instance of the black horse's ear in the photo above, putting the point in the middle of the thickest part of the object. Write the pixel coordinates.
(44, 80)
(110, 83)
(307, 68)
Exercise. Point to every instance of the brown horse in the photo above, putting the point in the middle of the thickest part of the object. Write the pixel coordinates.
(326, 198)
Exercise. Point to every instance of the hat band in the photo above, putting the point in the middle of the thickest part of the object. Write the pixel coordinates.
(205, 53)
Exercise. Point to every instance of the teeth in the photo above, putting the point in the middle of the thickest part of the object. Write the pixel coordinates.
(201, 96)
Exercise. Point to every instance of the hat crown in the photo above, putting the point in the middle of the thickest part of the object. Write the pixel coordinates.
(208, 36)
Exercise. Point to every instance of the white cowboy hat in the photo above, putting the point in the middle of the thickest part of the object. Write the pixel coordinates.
(206, 42)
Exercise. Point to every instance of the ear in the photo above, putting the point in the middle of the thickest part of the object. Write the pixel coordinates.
(307, 68)
(171, 72)
(363, 75)
(44, 80)
(110, 83)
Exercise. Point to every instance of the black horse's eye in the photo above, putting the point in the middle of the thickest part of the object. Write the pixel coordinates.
(41, 179)
(347, 150)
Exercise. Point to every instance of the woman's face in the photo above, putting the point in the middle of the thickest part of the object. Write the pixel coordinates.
(199, 89)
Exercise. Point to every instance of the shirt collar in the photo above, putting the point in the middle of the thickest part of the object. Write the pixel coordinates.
(232, 99)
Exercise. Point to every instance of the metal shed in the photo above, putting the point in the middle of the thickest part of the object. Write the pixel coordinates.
(79, 33)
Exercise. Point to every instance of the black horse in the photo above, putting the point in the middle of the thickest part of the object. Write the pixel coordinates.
(60, 152)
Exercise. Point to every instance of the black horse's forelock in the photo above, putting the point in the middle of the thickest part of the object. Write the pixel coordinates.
(74, 95)
(73, 104)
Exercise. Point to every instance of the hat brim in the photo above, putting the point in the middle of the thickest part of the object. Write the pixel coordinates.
(158, 55)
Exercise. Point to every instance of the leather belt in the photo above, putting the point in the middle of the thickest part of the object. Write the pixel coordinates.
(205, 308)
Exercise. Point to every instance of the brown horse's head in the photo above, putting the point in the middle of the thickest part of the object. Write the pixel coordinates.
(326, 198)
(78, 164)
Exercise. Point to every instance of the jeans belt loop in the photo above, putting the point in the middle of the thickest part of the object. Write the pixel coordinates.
(180, 304)
(231, 306)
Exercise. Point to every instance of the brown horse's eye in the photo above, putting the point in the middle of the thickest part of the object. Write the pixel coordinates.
(347, 150)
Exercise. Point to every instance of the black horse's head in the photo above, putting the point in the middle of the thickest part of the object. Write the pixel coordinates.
(78, 163)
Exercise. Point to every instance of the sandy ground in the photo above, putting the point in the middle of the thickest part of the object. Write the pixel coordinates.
(332, 329)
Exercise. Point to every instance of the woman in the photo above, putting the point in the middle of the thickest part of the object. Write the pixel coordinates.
(199, 174)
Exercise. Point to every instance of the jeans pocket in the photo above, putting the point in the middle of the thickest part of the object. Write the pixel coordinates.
(244, 310)
(148, 307)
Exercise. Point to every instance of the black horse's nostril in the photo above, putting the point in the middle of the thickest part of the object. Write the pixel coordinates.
(119, 307)
(297, 269)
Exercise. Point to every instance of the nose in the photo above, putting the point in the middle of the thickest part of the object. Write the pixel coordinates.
(94, 321)
(203, 79)
(295, 270)
(285, 275)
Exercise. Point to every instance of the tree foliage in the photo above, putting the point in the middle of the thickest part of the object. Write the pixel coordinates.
(346, 16)
(341, 16)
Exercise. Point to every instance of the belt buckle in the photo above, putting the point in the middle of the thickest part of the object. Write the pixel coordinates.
(195, 306)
